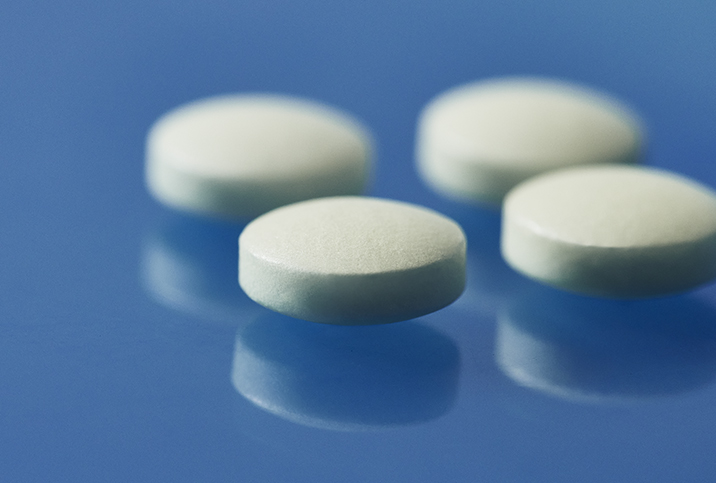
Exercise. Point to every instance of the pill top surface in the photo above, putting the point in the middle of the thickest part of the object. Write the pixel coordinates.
(615, 207)
(242, 155)
(612, 230)
(479, 140)
(352, 260)
(352, 235)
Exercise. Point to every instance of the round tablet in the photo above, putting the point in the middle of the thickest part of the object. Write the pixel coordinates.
(352, 260)
(242, 155)
(477, 141)
(613, 231)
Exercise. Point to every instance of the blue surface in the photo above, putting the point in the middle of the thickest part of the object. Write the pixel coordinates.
(128, 353)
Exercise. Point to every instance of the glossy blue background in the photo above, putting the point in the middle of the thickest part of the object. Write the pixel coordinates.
(123, 333)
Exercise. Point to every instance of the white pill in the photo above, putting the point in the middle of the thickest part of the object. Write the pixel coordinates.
(477, 141)
(242, 155)
(352, 260)
(613, 231)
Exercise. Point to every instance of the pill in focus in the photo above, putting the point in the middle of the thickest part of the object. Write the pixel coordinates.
(352, 260)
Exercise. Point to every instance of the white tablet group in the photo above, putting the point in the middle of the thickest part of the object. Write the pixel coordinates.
(578, 214)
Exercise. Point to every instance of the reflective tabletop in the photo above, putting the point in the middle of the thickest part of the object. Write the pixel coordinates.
(129, 353)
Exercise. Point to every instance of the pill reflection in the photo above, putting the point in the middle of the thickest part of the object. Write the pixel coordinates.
(346, 378)
(600, 351)
(190, 265)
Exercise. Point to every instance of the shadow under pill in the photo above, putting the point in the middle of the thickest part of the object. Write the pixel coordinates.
(596, 350)
(347, 378)
(191, 265)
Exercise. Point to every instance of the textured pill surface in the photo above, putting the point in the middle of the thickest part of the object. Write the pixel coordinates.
(242, 155)
(477, 141)
(613, 231)
(352, 260)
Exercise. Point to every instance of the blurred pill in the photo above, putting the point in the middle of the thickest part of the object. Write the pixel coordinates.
(475, 142)
(612, 231)
(238, 156)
